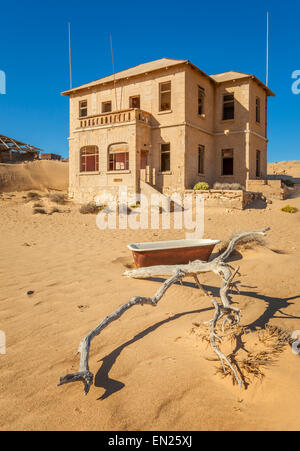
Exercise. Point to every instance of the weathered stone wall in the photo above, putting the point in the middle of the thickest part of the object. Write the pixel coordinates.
(270, 189)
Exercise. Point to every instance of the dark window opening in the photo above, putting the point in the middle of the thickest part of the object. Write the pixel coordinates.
(227, 162)
(83, 108)
(134, 102)
(228, 107)
(106, 107)
(201, 95)
(165, 157)
(89, 159)
(165, 96)
(201, 159)
(258, 159)
(257, 109)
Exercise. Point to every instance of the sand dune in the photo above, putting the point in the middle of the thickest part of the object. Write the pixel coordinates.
(152, 369)
(40, 175)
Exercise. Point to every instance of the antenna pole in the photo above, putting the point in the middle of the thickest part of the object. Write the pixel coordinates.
(113, 65)
(267, 62)
(70, 59)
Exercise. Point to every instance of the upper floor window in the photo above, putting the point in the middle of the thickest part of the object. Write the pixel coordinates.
(165, 96)
(201, 159)
(227, 162)
(201, 95)
(118, 157)
(257, 109)
(83, 108)
(106, 107)
(165, 157)
(89, 159)
(134, 102)
(228, 107)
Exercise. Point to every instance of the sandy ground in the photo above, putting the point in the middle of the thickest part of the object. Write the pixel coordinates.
(43, 175)
(152, 370)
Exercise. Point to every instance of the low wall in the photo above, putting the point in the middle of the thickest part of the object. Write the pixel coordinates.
(270, 189)
(238, 199)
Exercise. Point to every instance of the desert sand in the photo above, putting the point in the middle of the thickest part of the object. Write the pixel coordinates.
(152, 369)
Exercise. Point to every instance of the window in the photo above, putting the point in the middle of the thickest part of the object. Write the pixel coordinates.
(228, 107)
(106, 107)
(118, 157)
(134, 102)
(257, 109)
(165, 157)
(83, 108)
(201, 94)
(165, 96)
(257, 170)
(201, 159)
(227, 162)
(89, 159)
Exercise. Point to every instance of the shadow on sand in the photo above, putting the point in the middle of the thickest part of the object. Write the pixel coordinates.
(274, 306)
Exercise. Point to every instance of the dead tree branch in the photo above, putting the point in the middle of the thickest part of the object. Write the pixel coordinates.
(175, 273)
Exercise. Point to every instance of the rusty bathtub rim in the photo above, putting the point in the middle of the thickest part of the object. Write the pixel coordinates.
(173, 244)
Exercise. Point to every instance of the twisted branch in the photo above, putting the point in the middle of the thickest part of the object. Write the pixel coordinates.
(175, 273)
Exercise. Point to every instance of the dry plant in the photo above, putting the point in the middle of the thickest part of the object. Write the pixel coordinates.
(31, 195)
(58, 198)
(248, 242)
(41, 211)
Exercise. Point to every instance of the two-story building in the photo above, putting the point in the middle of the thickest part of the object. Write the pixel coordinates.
(167, 124)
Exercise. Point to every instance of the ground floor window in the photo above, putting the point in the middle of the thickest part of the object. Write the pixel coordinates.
(258, 163)
(165, 157)
(89, 159)
(118, 157)
(227, 162)
(201, 159)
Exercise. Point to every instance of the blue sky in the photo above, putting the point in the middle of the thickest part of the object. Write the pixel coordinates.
(217, 37)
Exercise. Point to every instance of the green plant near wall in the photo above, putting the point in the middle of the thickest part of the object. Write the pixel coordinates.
(289, 209)
(201, 186)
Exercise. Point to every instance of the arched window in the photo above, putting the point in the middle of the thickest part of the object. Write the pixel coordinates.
(89, 159)
(118, 157)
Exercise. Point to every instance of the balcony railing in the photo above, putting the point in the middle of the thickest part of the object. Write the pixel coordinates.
(115, 117)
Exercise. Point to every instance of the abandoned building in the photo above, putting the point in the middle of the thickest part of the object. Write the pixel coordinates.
(166, 125)
(12, 151)
(50, 156)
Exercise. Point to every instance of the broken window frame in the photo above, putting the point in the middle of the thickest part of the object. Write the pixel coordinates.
(89, 159)
(131, 101)
(83, 111)
(165, 91)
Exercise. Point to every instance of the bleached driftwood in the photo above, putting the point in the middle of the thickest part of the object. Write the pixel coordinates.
(175, 273)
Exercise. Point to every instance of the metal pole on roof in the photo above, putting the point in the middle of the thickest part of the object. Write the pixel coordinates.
(267, 62)
(113, 65)
(70, 59)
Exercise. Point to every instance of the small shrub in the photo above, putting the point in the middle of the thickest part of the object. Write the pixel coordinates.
(288, 183)
(41, 211)
(90, 208)
(289, 209)
(32, 195)
(37, 205)
(58, 198)
(201, 186)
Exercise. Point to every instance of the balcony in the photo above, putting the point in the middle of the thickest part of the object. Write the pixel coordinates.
(131, 115)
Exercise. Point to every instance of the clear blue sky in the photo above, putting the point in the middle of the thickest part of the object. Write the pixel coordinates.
(216, 36)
